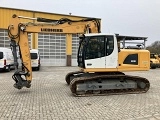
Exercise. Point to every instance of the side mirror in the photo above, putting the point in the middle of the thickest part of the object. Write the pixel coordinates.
(81, 36)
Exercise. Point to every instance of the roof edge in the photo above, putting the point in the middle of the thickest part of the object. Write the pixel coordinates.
(46, 12)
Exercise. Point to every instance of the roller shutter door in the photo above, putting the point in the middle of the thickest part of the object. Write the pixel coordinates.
(4, 40)
(52, 48)
(75, 45)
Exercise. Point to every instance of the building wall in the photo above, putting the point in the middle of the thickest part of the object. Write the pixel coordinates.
(6, 14)
(35, 38)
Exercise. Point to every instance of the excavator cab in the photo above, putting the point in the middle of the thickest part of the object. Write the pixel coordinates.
(96, 51)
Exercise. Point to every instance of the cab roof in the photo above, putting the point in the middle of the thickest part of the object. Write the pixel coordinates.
(119, 37)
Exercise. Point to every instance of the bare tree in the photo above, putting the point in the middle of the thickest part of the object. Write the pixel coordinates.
(154, 47)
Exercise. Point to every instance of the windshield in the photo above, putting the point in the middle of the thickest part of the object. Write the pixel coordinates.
(95, 47)
(1, 55)
(34, 56)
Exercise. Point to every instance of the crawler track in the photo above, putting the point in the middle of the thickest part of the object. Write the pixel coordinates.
(142, 85)
(71, 74)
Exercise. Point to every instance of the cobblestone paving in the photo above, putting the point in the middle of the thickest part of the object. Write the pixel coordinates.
(50, 98)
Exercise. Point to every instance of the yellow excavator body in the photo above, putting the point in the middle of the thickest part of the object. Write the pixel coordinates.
(100, 58)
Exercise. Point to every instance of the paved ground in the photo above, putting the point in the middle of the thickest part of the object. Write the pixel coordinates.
(50, 98)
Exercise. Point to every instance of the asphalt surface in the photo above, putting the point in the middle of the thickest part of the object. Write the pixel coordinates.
(50, 98)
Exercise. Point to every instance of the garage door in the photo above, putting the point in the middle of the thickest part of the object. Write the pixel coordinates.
(4, 40)
(52, 48)
(75, 45)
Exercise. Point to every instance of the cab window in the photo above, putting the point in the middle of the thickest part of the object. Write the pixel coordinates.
(95, 47)
(34, 56)
(109, 45)
(1, 55)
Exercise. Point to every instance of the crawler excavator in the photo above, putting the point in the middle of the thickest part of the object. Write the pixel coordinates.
(102, 63)
(100, 58)
(18, 34)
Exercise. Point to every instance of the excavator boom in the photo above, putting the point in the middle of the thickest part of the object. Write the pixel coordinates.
(18, 34)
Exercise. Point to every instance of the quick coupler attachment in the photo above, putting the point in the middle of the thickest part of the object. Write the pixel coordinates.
(20, 81)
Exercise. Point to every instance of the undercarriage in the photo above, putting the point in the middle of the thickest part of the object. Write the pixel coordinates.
(89, 84)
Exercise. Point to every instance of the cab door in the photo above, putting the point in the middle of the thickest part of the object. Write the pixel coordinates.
(95, 52)
(101, 52)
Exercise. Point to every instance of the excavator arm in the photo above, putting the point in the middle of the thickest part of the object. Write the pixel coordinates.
(18, 34)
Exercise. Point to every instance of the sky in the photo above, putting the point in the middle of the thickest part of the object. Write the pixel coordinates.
(125, 17)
